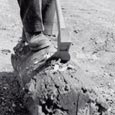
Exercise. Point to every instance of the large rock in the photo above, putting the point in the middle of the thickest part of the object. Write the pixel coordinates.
(51, 87)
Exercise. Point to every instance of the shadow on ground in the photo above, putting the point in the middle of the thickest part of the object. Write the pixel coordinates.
(11, 99)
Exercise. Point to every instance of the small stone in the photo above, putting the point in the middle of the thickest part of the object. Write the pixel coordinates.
(5, 88)
(13, 105)
(56, 67)
(70, 67)
(109, 84)
(36, 62)
(63, 69)
(47, 56)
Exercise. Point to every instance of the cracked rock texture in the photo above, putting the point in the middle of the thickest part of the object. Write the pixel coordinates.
(52, 88)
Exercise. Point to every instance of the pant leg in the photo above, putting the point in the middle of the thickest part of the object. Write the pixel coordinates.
(37, 15)
(48, 12)
(31, 15)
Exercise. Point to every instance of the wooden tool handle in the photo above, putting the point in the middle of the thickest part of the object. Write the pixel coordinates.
(60, 22)
(60, 18)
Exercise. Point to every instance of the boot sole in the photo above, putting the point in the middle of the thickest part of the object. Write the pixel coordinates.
(42, 45)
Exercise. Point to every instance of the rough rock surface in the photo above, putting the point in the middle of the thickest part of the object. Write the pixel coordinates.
(51, 87)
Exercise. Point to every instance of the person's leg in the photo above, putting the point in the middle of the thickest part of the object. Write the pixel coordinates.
(48, 12)
(31, 15)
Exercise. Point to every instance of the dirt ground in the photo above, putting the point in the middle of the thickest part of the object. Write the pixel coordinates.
(91, 24)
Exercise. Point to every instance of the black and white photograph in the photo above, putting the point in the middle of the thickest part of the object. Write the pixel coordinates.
(57, 57)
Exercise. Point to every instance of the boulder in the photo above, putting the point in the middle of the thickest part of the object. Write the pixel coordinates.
(51, 87)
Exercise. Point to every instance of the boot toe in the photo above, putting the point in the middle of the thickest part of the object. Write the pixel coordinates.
(39, 42)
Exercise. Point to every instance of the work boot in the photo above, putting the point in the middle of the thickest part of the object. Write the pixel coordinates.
(21, 43)
(38, 41)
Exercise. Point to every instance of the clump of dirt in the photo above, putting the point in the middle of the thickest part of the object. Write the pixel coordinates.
(11, 101)
(52, 87)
